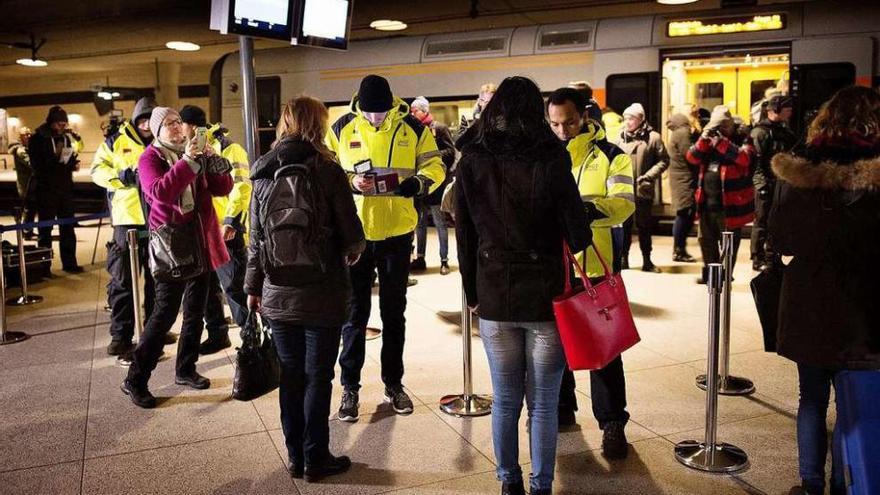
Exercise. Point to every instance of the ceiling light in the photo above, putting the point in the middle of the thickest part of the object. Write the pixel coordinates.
(105, 95)
(32, 62)
(75, 118)
(183, 46)
(115, 94)
(675, 2)
(388, 25)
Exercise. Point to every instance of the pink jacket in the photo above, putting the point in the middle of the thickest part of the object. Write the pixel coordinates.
(162, 186)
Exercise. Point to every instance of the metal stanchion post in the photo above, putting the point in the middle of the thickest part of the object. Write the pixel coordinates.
(709, 455)
(134, 263)
(7, 337)
(466, 404)
(25, 298)
(728, 384)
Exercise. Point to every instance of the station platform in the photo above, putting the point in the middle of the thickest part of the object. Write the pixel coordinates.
(67, 429)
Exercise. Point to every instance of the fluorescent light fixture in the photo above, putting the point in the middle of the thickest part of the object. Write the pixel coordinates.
(32, 62)
(115, 94)
(75, 118)
(388, 25)
(183, 46)
(675, 2)
(13, 122)
(105, 95)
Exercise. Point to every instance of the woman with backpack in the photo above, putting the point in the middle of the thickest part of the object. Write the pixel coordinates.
(305, 232)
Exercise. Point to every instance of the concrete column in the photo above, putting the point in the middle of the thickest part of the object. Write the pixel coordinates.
(167, 82)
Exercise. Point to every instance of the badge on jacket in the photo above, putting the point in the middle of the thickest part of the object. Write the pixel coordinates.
(354, 145)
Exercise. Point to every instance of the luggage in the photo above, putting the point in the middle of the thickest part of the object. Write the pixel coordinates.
(38, 262)
(858, 423)
(257, 369)
(766, 288)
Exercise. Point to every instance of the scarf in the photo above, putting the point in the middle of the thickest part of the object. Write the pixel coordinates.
(171, 153)
(427, 120)
(642, 133)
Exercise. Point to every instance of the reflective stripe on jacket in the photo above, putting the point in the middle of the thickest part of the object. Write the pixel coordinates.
(118, 152)
(401, 143)
(604, 175)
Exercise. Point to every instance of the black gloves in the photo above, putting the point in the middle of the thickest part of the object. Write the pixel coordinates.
(409, 187)
(128, 177)
(593, 213)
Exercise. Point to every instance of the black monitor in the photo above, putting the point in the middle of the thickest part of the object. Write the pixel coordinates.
(262, 18)
(323, 23)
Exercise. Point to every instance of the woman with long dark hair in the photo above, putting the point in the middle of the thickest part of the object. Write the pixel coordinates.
(516, 201)
(826, 219)
(301, 285)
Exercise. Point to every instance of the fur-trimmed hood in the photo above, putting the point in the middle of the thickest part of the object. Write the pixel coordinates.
(861, 175)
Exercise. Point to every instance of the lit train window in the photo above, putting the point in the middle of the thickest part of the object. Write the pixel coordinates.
(709, 95)
(758, 88)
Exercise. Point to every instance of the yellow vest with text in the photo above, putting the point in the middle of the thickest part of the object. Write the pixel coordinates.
(603, 173)
(401, 143)
(116, 153)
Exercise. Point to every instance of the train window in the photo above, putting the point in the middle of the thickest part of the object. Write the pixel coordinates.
(757, 89)
(622, 90)
(709, 95)
(813, 84)
(268, 101)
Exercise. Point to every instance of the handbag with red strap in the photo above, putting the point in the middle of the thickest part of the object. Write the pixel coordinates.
(595, 321)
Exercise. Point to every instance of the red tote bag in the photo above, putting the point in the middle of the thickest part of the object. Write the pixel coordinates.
(595, 321)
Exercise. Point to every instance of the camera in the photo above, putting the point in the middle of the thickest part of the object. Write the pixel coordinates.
(713, 132)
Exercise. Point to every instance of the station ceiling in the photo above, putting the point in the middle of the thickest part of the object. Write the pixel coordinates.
(104, 35)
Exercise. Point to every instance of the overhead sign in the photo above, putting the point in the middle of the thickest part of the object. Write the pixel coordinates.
(321, 23)
(726, 25)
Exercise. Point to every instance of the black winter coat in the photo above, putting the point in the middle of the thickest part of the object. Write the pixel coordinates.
(50, 175)
(515, 201)
(827, 216)
(447, 153)
(323, 304)
(769, 139)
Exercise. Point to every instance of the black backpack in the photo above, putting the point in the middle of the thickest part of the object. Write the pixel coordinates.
(294, 232)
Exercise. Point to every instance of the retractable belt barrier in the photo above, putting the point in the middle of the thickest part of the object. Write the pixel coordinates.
(52, 223)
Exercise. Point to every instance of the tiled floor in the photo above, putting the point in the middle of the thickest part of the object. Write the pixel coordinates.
(66, 428)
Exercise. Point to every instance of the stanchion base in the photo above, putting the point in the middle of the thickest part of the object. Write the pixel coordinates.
(373, 333)
(466, 405)
(726, 459)
(24, 301)
(732, 385)
(13, 337)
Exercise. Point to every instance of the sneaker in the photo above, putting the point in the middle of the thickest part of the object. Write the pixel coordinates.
(140, 396)
(682, 256)
(418, 265)
(444, 268)
(193, 380)
(348, 410)
(211, 346)
(614, 444)
(119, 347)
(331, 465)
(400, 401)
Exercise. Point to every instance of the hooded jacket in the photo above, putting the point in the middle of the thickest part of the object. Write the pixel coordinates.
(769, 139)
(52, 176)
(324, 304)
(117, 153)
(401, 143)
(515, 202)
(649, 158)
(827, 217)
(682, 176)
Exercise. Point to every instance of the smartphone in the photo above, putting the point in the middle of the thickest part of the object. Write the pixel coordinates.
(201, 138)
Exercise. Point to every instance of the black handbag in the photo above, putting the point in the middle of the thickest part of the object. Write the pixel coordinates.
(766, 289)
(176, 253)
(257, 369)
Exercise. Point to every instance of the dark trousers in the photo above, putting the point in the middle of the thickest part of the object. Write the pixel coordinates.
(169, 296)
(119, 289)
(57, 205)
(712, 224)
(761, 249)
(390, 259)
(644, 221)
(684, 222)
(228, 280)
(307, 355)
(607, 393)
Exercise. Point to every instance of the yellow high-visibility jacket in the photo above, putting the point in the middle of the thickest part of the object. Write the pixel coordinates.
(401, 143)
(603, 173)
(116, 153)
(232, 209)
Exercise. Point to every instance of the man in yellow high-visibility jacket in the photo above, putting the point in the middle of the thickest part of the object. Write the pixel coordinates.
(231, 212)
(379, 143)
(604, 177)
(114, 168)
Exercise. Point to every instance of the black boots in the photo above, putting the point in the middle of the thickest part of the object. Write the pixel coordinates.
(119, 347)
(139, 395)
(681, 255)
(214, 345)
(418, 265)
(649, 266)
(513, 489)
(330, 466)
(614, 444)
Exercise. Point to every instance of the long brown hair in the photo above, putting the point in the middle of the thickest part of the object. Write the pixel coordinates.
(305, 118)
(852, 110)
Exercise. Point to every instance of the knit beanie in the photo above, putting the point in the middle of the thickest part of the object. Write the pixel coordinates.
(158, 116)
(374, 94)
(193, 115)
(720, 114)
(143, 108)
(421, 103)
(56, 114)
(636, 110)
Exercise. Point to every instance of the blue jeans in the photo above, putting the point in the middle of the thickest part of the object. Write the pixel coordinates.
(422, 231)
(525, 359)
(812, 435)
(307, 356)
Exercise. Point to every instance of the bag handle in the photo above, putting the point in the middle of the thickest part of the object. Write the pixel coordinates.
(568, 258)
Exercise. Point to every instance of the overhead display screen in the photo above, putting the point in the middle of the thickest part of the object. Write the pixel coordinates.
(324, 23)
(726, 25)
(262, 18)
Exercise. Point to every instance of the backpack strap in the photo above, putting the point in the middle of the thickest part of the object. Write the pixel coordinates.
(293, 168)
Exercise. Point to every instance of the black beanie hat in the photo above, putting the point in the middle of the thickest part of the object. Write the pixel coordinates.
(778, 102)
(193, 115)
(374, 94)
(56, 114)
